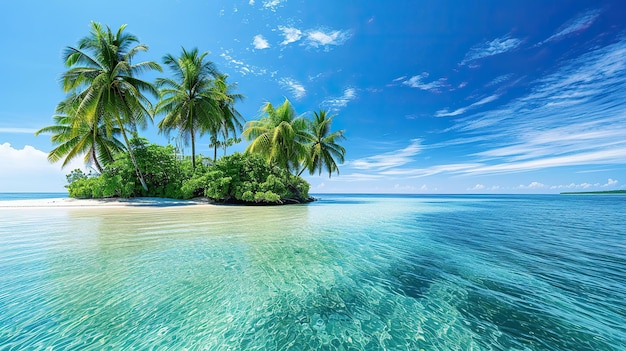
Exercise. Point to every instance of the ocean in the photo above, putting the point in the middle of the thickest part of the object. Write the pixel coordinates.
(31, 196)
(347, 272)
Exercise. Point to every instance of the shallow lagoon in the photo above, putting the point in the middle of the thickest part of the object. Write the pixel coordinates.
(349, 272)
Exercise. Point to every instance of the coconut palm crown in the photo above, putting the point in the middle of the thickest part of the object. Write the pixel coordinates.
(189, 102)
(324, 152)
(280, 136)
(74, 137)
(103, 78)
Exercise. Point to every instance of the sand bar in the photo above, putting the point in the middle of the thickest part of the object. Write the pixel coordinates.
(112, 202)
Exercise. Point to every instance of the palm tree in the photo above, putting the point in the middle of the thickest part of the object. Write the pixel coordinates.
(103, 78)
(215, 143)
(281, 136)
(189, 101)
(75, 136)
(230, 142)
(324, 148)
(230, 120)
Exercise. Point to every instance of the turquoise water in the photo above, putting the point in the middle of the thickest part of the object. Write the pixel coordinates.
(344, 273)
(30, 196)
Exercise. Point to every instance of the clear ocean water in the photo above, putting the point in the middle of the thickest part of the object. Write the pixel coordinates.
(30, 196)
(349, 272)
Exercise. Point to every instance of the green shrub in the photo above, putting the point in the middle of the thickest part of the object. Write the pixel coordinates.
(239, 178)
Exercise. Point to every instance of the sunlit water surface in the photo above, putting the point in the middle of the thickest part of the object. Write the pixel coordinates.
(343, 273)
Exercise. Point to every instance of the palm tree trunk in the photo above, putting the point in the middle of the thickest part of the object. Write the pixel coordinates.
(132, 156)
(193, 149)
(95, 160)
(214, 153)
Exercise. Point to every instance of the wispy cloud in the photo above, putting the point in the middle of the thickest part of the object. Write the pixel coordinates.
(481, 187)
(610, 183)
(477, 187)
(459, 111)
(337, 103)
(532, 185)
(295, 87)
(240, 66)
(491, 48)
(500, 79)
(419, 83)
(431, 170)
(357, 177)
(389, 160)
(260, 43)
(320, 38)
(272, 4)
(12, 130)
(574, 26)
(291, 34)
(574, 116)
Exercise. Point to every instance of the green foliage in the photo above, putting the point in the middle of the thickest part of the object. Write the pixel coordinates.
(75, 175)
(249, 178)
(281, 136)
(108, 97)
(294, 142)
(82, 188)
(237, 178)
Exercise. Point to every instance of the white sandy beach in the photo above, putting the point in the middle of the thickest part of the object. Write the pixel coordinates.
(96, 203)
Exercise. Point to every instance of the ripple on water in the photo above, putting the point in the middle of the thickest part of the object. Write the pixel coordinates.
(369, 274)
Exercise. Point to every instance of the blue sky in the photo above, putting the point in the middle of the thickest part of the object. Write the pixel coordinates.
(434, 96)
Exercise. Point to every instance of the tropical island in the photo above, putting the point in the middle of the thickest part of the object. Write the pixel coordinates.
(607, 192)
(106, 100)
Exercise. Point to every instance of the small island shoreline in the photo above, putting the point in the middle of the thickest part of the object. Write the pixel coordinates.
(608, 192)
(103, 202)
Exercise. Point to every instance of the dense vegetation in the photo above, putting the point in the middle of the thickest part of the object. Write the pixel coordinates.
(107, 101)
(239, 178)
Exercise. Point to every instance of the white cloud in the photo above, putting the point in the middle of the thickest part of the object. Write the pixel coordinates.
(432, 170)
(477, 187)
(459, 111)
(251, 2)
(357, 177)
(28, 170)
(575, 25)
(291, 34)
(572, 117)
(272, 4)
(389, 159)
(610, 183)
(403, 188)
(337, 103)
(17, 130)
(533, 185)
(610, 156)
(320, 38)
(296, 88)
(260, 43)
(491, 48)
(242, 67)
(417, 82)
(500, 79)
